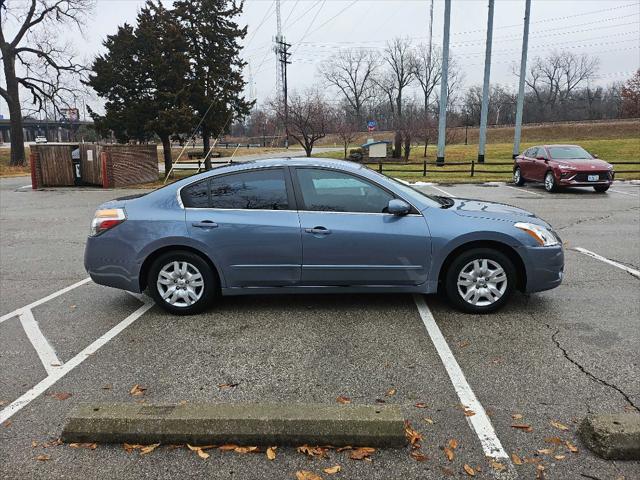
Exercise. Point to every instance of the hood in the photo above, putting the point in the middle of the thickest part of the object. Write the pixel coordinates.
(467, 207)
(585, 163)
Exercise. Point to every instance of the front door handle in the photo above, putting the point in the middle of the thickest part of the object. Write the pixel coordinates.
(205, 224)
(318, 230)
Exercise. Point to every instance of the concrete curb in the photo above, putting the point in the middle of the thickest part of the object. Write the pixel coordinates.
(613, 437)
(244, 424)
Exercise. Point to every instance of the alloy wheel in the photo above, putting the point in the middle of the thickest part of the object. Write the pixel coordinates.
(549, 182)
(482, 282)
(180, 284)
(516, 176)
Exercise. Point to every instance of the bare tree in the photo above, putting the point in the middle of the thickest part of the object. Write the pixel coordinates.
(427, 70)
(308, 117)
(351, 71)
(345, 128)
(630, 94)
(398, 60)
(35, 59)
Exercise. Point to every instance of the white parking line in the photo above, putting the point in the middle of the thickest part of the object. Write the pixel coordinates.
(479, 422)
(623, 193)
(522, 190)
(18, 311)
(42, 346)
(443, 191)
(56, 375)
(591, 254)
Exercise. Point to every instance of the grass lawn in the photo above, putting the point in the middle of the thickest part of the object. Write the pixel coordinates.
(627, 150)
(8, 171)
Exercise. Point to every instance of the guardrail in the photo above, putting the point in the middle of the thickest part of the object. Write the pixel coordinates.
(472, 169)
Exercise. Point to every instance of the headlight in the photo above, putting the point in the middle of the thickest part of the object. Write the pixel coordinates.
(106, 219)
(540, 234)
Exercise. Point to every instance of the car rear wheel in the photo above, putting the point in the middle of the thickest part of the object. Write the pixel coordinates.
(480, 280)
(550, 182)
(182, 283)
(517, 177)
(601, 188)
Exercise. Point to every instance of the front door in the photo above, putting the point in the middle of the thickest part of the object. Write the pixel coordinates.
(349, 239)
(248, 225)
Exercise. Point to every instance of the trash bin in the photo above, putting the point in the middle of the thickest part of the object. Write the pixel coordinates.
(75, 157)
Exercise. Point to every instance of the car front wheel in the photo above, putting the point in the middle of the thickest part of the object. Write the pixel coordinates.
(517, 177)
(550, 182)
(480, 280)
(181, 282)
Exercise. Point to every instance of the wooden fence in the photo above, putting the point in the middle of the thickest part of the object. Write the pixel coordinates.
(472, 167)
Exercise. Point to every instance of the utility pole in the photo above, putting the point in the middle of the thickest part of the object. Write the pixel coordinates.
(282, 51)
(523, 73)
(442, 120)
(484, 112)
(426, 100)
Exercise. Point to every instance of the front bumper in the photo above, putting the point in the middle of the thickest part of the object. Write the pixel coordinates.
(544, 266)
(579, 179)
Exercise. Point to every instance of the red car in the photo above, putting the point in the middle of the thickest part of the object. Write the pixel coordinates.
(562, 166)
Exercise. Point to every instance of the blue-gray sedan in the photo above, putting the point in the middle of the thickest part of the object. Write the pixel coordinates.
(316, 226)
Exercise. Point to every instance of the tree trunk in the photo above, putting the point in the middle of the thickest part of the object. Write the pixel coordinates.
(166, 153)
(307, 148)
(407, 147)
(206, 133)
(397, 147)
(346, 145)
(15, 114)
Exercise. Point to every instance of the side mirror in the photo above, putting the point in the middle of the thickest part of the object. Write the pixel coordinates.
(398, 207)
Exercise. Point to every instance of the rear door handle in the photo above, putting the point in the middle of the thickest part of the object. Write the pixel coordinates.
(318, 230)
(205, 224)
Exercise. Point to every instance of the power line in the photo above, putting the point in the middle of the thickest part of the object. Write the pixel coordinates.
(306, 32)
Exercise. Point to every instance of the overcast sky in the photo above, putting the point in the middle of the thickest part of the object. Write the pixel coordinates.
(608, 29)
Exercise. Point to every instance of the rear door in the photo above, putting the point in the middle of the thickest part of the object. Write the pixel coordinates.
(349, 239)
(249, 226)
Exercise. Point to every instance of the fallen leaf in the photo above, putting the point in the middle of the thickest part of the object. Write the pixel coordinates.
(449, 453)
(516, 459)
(245, 449)
(361, 453)
(464, 344)
(130, 447)
(149, 448)
(418, 456)
(453, 444)
(271, 453)
(540, 472)
(137, 390)
(43, 458)
(183, 402)
(391, 392)
(469, 469)
(555, 440)
(469, 413)
(225, 386)
(52, 443)
(228, 447)
(412, 435)
(332, 470)
(525, 427)
(421, 405)
(532, 460)
(60, 395)
(342, 449)
(342, 399)
(313, 451)
(90, 446)
(559, 425)
(428, 420)
(199, 451)
(517, 416)
(559, 457)
(497, 466)
(306, 475)
(572, 448)
(545, 451)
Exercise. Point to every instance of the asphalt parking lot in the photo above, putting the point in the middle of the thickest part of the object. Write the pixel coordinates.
(545, 361)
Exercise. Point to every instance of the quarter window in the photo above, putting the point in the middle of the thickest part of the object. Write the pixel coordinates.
(332, 191)
(196, 195)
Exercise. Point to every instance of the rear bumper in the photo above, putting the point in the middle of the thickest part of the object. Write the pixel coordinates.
(544, 266)
(105, 260)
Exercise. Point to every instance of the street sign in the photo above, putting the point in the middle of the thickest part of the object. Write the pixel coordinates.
(371, 125)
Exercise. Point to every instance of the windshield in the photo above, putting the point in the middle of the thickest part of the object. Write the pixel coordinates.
(569, 152)
(436, 201)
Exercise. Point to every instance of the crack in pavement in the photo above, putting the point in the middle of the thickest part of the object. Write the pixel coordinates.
(604, 217)
(588, 373)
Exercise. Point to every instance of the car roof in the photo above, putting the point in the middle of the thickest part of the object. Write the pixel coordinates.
(304, 161)
(560, 145)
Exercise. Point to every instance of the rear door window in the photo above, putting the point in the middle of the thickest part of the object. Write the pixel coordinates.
(251, 190)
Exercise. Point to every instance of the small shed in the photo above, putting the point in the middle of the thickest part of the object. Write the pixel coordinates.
(376, 149)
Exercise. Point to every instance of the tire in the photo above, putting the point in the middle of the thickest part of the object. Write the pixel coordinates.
(517, 177)
(177, 271)
(601, 188)
(459, 271)
(550, 184)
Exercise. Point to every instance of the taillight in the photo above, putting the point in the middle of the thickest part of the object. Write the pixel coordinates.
(106, 219)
